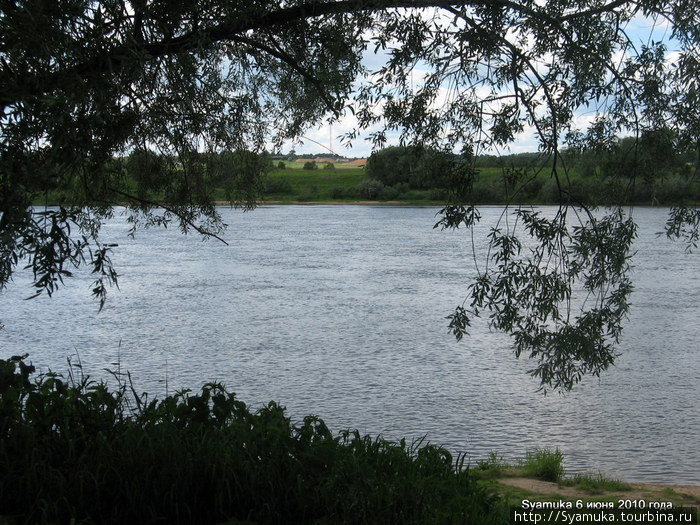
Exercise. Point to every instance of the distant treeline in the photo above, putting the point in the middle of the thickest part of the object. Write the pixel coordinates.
(292, 156)
(651, 169)
(226, 174)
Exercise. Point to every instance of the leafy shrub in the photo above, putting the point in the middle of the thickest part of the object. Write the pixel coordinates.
(673, 190)
(438, 194)
(352, 193)
(422, 168)
(370, 189)
(549, 193)
(531, 188)
(311, 165)
(388, 193)
(337, 192)
(329, 166)
(281, 165)
(309, 193)
(487, 191)
(586, 190)
(641, 191)
(402, 187)
(148, 170)
(75, 451)
(277, 185)
(493, 467)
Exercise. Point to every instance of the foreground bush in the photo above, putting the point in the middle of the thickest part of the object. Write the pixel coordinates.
(71, 449)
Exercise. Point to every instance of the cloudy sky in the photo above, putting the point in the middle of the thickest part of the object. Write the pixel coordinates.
(326, 138)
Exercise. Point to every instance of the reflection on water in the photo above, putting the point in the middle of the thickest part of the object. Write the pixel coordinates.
(340, 311)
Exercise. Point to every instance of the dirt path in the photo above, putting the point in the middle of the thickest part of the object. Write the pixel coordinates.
(678, 494)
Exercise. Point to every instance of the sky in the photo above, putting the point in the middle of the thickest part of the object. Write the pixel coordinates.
(326, 138)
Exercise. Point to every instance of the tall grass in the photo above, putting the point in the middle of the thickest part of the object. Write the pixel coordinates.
(74, 450)
(543, 464)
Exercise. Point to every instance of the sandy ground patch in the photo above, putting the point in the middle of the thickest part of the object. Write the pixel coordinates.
(687, 494)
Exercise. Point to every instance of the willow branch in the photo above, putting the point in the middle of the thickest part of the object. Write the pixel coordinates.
(189, 222)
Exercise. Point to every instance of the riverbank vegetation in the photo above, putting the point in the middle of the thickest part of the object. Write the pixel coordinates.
(72, 449)
(649, 171)
(424, 176)
(646, 172)
(75, 451)
(490, 186)
(546, 465)
(540, 477)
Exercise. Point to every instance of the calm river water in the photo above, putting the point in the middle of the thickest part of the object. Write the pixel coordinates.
(340, 311)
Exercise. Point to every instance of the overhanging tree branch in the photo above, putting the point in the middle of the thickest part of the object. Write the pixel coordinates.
(290, 61)
(169, 209)
(28, 86)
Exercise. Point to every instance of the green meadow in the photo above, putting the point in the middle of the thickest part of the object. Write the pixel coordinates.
(492, 185)
(297, 184)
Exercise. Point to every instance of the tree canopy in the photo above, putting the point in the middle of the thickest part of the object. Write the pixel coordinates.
(418, 167)
(86, 84)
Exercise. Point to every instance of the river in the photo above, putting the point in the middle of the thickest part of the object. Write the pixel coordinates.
(340, 311)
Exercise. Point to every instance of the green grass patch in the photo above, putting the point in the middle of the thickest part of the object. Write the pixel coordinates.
(595, 483)
(493, 467)
(543, 464)
(314, 185)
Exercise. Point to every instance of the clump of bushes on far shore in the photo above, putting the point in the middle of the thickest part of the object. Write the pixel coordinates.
(71, 449)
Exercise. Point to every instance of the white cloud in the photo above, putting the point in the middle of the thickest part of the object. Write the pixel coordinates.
(325, 137)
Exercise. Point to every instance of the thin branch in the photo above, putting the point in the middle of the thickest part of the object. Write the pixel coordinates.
(605, 8)
(290, 61)
(149, 202)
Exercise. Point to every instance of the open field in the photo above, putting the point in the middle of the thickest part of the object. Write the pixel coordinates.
(314, 184)
(491, 186)
(347, 184)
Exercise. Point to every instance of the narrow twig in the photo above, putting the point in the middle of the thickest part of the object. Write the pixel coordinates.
(149, 202)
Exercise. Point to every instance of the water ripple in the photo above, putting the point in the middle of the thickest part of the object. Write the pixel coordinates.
(340, 311)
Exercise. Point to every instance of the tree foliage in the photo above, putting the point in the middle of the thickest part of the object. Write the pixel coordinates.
(420, 168)
(87, 87)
